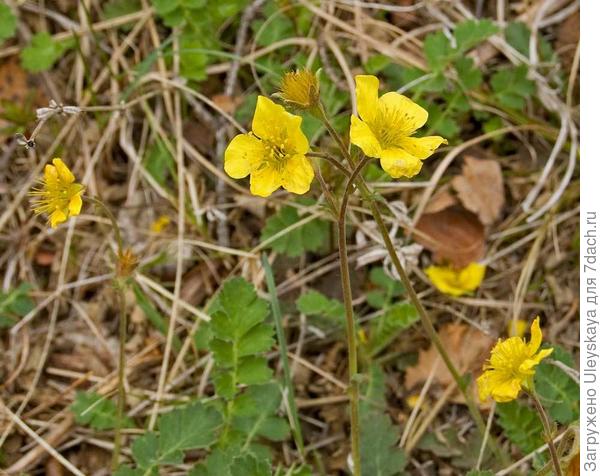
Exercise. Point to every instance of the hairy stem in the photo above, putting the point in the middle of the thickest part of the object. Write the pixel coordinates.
(120, 288)
(350, 324)
(414, 298)
(548, 432)
(121, 377)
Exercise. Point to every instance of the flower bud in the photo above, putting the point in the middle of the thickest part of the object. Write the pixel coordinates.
(300, 89)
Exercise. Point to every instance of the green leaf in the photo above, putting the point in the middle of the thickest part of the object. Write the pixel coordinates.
(8, 22)
(379, 450)
(254, 370)
(15, 304)
(468, 74)
(470, 33)
(313, 303)
(42, 53)
(387, 327)
(511, 86)
(193, 59)
(521, 425)
(255, 413)
(192, 427)
(159, 163)
(391, 286)
(309, 237)
(437, 50)
(189, 428)
(517, 35)
(248, 465)
(558, 392)
(119, 8)
(476, 472)
(239, 337)
(96, 411)
(376, 63)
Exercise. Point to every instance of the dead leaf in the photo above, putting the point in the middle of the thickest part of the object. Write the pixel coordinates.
(453, 234)
(480, 188)
(467, 347)
(573, 468)
(441, 200)
(227, 103)
(567, 37)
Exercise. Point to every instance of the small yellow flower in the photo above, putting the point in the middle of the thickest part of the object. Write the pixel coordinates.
(59, 196)
(273, 154)
(385, 127)
(300, 89)
(517, 328)
(512, 366)
(456, 282)
(160, 224)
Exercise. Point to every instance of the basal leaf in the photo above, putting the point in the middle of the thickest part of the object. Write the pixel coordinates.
(8, 22)
(309, 237)
(521, 425)
(96, 411)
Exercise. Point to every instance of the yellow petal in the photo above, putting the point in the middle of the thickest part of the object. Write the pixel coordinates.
(409, 115)
(264, 181)
(50, 174)
(75, 205)
(399, 163)
(367, 88)
(64, 174)
(471, 276)
(536, 337)
(297, 175)
(444, 279)
(507, 390)
(362, 136)
(243, 154)
(273, 123)
(56, 217)
(421, 147)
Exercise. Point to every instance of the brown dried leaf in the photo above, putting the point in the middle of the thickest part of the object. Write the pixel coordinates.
(480, 188)
(466, 358)
(441, 200)
(453, 234)
(227, 103)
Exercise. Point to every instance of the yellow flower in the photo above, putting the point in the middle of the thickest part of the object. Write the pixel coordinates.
(456, 282)
(160, 224)
(273, 154)
(517, 328)
(300, 89)
(59, 196)
(512, 366)
(385, 127)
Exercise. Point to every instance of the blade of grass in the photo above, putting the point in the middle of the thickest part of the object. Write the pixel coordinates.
(291, 400)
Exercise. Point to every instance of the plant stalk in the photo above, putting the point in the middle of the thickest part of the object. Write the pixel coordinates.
(414, 298)
(121, 375)
(548, 431)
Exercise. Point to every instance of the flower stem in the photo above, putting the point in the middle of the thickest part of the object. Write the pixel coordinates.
(121, 376)
(548, 432)
(350, 324)
(120, 287)
(414, 298)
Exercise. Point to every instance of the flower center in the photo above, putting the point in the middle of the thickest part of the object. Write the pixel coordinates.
(387, 126)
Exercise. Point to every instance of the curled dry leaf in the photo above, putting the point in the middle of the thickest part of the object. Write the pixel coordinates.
(453, 235)
(480, 188)
(466, 358)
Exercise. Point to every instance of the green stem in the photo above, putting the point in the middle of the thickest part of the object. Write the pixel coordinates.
(424, 316)
(287, 374)
(548, 431)
(121, 379)
(120, 286)
(350, 324)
